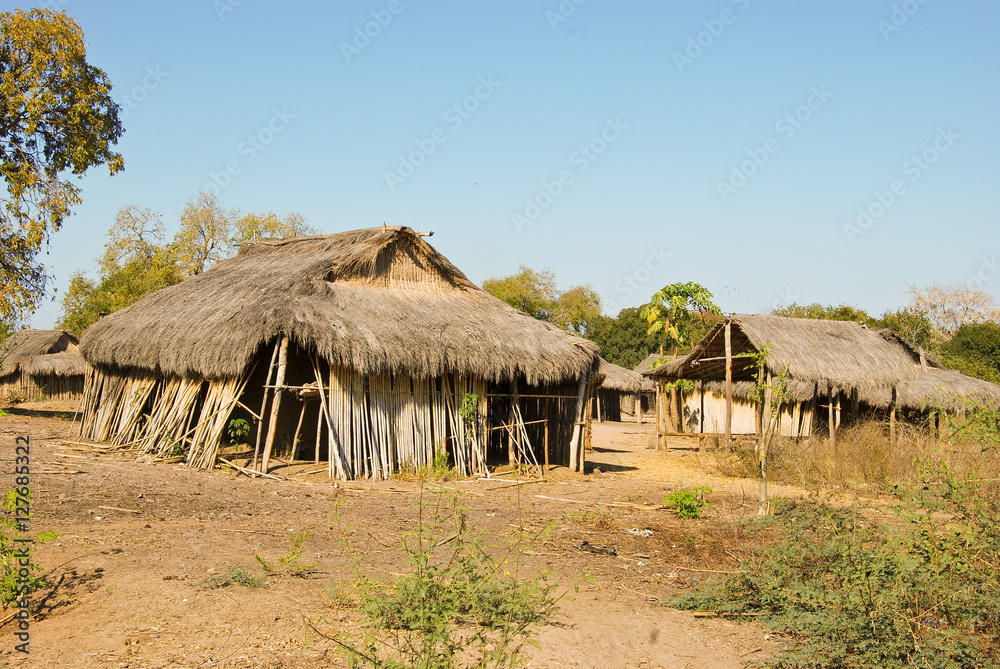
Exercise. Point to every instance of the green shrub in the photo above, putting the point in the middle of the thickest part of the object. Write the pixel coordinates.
(918, 589)
(457, 607)
(688, 502)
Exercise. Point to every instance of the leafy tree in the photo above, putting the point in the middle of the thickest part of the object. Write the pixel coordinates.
(950, 307)
(674, 310)
(206, 235)
(576, 308)
(825, 313)
(251, 227)
(138, 260)
(56, 116)
(975, 350)
(914, 326)
(532, 292)
(623, 340)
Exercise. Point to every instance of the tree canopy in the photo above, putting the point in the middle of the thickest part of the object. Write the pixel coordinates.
(674, 311)
(624, 340)
(56, 117)
(138, 260)
(535, 293)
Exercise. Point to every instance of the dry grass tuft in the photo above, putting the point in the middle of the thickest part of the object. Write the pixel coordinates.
(863, 457)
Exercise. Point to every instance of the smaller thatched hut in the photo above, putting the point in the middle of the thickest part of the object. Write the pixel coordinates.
(41, 364)
(620, 392)
(832, 372)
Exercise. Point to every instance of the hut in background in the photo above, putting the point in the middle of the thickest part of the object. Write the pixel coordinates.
(834, 371)
(367, 349)
(647, 399)
(41, 364)
(620, 393)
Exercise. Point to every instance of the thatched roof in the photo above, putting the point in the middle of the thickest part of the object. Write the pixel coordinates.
(845, 354)
(375, 300)
(24, 344)
(66, 363)
(647, 362)
(625, 380)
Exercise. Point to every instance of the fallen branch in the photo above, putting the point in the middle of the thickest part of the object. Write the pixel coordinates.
(251, 472)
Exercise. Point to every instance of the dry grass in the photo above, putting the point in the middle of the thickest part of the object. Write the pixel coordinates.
(863, 457)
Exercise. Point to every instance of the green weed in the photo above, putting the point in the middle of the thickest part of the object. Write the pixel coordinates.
(688, 502)
(289, 563)
(457, 607)
(917, 585)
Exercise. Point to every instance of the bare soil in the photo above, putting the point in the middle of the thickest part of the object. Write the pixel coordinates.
(139, 539)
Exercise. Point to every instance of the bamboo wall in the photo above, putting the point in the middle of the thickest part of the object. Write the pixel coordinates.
(26, 387)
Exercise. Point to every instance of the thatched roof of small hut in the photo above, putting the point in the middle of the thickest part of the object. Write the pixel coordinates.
(21, 346)
(647, 362)
(625, 380)
(843, 353)
(376, 300)
(66, 363)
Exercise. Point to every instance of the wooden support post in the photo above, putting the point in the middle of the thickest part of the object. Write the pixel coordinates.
(656, 411)
(600, 418)
(576, 456)
(831, 390)
(263, 403)
(729, 383)
(892, 418)
(279, 381)
(298, 429)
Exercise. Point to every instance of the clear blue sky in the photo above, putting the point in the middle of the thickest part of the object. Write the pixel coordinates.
(727, 142)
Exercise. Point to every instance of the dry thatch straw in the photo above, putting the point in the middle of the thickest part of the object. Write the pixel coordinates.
(625, 380)
(66, 363)
(19, 347)
(376, 301)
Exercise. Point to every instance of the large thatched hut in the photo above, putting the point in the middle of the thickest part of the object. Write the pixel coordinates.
(832, 372)
(41, 364)
(620, 393)
(368, 350)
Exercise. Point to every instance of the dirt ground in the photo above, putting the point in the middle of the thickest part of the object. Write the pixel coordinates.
(139, 539)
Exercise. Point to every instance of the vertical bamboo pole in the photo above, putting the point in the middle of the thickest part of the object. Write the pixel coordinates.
(263, 403)
(298, 430)
(892, 417)
(576, 456)
(831, 389)
(729, 383)
(279, 381)
(638, 407)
